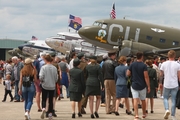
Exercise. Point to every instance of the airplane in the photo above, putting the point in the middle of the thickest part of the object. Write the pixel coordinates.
(132, 36)
(17, 52)
(34, 47)
(66, 42)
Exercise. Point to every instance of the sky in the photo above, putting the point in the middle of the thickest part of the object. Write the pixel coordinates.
(22, 19)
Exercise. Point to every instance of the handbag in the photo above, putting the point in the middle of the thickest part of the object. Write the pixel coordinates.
(129, 83)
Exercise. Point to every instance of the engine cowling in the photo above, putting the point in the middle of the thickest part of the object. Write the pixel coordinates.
(135, 47)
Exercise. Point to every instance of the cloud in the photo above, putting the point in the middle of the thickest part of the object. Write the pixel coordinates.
(44, 18)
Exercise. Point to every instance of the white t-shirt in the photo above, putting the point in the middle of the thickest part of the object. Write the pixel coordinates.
(71, 64)
(170, 69)
(8, 84)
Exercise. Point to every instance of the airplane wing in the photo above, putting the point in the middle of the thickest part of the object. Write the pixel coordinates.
(161, 51)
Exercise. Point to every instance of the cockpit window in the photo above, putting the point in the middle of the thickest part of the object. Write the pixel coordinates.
(97, 23)
(62, 36)
(104, 26)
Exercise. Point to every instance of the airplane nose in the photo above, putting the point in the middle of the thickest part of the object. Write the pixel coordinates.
(48, 41)
(89, 32)
(81, 31)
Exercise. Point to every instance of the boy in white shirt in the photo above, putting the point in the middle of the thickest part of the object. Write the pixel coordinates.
(7, 84)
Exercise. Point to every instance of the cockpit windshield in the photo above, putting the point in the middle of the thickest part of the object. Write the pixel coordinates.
(96, 23)
(100, 24)
(62, 36)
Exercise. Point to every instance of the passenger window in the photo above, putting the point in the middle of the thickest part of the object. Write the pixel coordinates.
(148, 38)
(162, 40)
(175, 43)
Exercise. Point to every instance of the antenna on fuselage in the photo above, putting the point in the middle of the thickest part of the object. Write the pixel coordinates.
(125, 16)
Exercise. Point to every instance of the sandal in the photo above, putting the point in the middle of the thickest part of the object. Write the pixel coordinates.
(39, 110)
(144, 116)
(136, 118)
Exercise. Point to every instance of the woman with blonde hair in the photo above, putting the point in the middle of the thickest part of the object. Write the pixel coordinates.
(122, 90)
(26, 85)
(94, 84)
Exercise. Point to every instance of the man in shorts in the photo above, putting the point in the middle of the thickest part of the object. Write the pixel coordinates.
(140, 80)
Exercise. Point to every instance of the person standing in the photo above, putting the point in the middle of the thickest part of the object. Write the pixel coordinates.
(161, 79)
(73, 56)
(171, 72)
(36, 64)
(16, 76)
(76, 87)
(26, 85)
(48, 77)
(53, 55)
(105, 57)
(94, 84)
(139, 80)
(82, 66)
(64, 75)
(108, 69)
(153, 84)
(121, 84)
(7, 68)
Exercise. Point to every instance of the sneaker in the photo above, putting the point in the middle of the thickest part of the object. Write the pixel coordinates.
(43, 113)
(54, 114)
(26, 115)
(173, 118)
(162, 97)
(166, 115)
(50, 116)
(103, 105)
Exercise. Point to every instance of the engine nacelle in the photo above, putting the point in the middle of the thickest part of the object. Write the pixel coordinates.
(137, 46)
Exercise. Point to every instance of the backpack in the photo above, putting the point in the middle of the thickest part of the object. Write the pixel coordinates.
(26, 81)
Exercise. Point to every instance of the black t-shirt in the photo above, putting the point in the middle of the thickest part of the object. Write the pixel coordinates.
(137, 75)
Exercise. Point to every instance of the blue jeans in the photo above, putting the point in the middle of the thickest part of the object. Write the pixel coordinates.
(17, 97)
(166, 94)
(28, 94)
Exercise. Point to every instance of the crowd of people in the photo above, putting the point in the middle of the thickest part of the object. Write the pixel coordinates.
(111, 82)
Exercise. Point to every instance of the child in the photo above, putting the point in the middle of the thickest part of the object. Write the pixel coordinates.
(7, 84)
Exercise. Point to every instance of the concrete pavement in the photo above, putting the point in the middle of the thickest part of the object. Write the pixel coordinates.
(15, 111)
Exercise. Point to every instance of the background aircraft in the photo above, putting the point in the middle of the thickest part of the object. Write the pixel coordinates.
(34, 47)
(132, 36)
(66, 42)
(17, 52)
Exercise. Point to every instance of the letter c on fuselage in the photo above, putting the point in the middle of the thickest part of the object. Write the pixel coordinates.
(110, 33)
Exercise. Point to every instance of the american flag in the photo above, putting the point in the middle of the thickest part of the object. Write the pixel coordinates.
(34, 38)
(75, 22)
(75, 19)
(113, 12)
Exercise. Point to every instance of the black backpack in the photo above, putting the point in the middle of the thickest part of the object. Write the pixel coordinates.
(26, 81)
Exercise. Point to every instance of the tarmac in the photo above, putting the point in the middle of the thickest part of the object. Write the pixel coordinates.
(15, 111)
